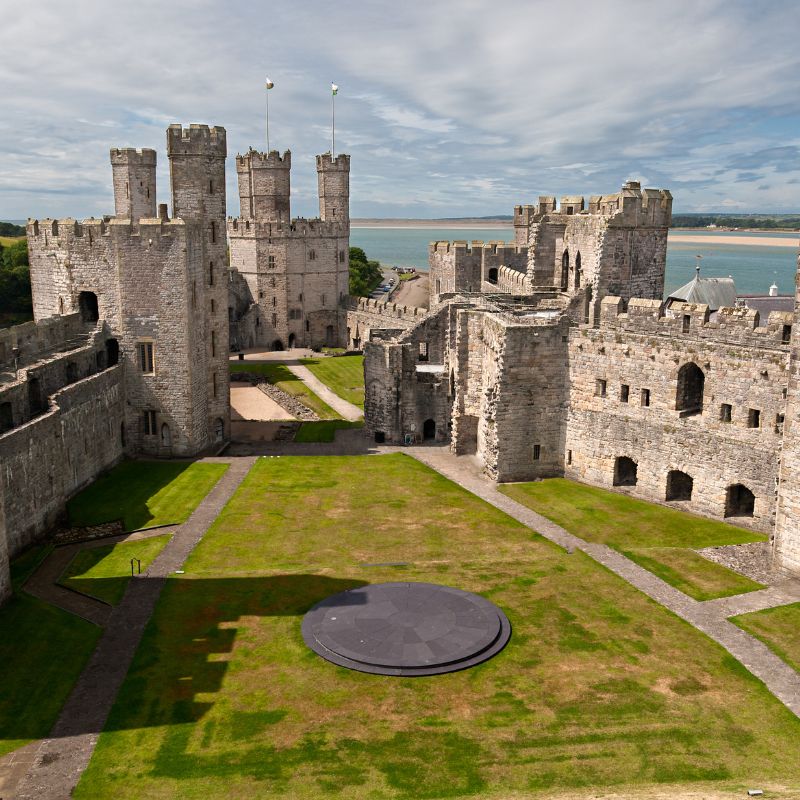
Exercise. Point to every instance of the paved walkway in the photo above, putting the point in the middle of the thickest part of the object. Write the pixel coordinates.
(61, 759)
(44, 582)
(340, 406)
(708, 617)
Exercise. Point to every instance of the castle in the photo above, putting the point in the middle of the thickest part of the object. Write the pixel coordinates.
(135, 314)
(547, 356)
(555, 355)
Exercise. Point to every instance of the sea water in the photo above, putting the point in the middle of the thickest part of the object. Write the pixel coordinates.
(753, 267)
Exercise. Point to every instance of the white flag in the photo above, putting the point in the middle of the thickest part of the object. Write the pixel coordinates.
(334, 88)
(270, 84)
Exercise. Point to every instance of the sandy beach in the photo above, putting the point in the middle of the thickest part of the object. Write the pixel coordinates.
(758, 241)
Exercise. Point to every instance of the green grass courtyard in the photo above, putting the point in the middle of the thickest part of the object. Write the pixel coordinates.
(657, 538)
(344, 375)
(600, 688)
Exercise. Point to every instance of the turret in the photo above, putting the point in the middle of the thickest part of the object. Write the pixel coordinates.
(197, 170)
(134, 176)
(334, 187)
(264, 185)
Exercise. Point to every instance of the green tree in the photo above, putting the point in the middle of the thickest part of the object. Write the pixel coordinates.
(365, 275)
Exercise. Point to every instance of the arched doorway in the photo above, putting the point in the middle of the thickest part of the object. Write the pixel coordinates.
(493, 275)
(689, 396)
(429, 429)
(739, 501)
(679, 485)
(277, 345)
(380, 437)
(87, 305)
(166, 437)
(330, 336)
(219, 430)
(565, 271)
(112, 352)
(625, 471)
(291, 341)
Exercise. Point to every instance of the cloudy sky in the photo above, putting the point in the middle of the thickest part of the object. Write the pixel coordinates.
(447, 108)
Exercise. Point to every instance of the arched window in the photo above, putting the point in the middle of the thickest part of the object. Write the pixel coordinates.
(565, 271)
(689, 396)
(625, 470)
(577, 270)
(679, 485)
(739, 501)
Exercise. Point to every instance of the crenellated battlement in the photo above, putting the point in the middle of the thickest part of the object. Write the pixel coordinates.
(61, 233)
(199, 140)
(298, 228)
(255, 159)
(131, 156)
(326, 162)
(692, 321)
(383, 308)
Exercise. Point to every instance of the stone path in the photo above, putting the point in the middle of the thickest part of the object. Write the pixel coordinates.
(708, 617)
(61, 759)
(44, 582)
(340, 406)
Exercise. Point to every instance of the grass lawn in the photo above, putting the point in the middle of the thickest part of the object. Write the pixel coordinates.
(279, 375)
(145, 494)
(598, 688)
(344, 375)
(5, 241)
(104, 572)
(323, 431)
(658, 538)
(778, 628)
(42, 652)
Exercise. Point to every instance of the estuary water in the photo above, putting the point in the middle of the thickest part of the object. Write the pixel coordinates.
(753, 266)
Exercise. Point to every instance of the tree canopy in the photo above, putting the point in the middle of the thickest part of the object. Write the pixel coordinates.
(365, 275)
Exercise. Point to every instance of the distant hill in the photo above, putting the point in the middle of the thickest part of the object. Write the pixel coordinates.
(11, 229)
(767, 222)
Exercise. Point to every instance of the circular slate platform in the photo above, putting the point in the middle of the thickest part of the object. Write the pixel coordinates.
(406, 629)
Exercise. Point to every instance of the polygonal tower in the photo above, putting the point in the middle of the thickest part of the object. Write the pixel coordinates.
(264, 185)
(333, 176)
(134, 176)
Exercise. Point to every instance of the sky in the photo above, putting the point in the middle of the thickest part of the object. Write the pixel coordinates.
(447, 108)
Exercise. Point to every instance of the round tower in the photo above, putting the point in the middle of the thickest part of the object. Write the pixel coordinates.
(264, 185)
(134, 176)
(333, 175)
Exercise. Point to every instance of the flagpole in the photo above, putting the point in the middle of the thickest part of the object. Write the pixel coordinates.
(333, 124)
(267, 121)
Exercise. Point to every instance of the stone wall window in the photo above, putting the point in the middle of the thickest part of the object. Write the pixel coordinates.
(312, 255)
(146, 356)
(213, 343)
(213, 232)
(753, 418)
(274, 320)
(270, 261)
(565, 271)
(274, 302)
(779, 419)
(569, 457)
(322, 301)
(537, 452)
(624, 393)
(645, 398)
(687, 321)
(341, 256)
(423, 351)
(210, 273)
(725, 412)
(149, 419)
(691, 383)
(739, 501)
(600, 386)
(213, 306)
(786, 336)
(261, 295)
(577, 270)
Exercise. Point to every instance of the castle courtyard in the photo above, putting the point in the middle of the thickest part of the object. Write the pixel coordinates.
(600, 685)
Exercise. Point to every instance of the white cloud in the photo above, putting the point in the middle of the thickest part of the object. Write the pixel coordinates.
(503, 100)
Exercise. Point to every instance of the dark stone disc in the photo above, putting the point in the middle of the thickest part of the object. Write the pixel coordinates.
(406, 629)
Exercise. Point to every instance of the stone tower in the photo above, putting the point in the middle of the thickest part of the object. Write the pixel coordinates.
(289, 277)
(134, 178)
(333, 177)
(264, 185)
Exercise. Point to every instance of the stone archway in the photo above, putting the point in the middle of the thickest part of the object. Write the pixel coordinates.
(625, 472)
(429, 429)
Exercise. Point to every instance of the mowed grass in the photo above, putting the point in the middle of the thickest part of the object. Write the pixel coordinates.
(323, 431)
(344, 375)
(5, 241)
(279, 375)
(778, 628)
(104, 572)
(660, 539)
(145, 494)
(42, 652)
(598, 687)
